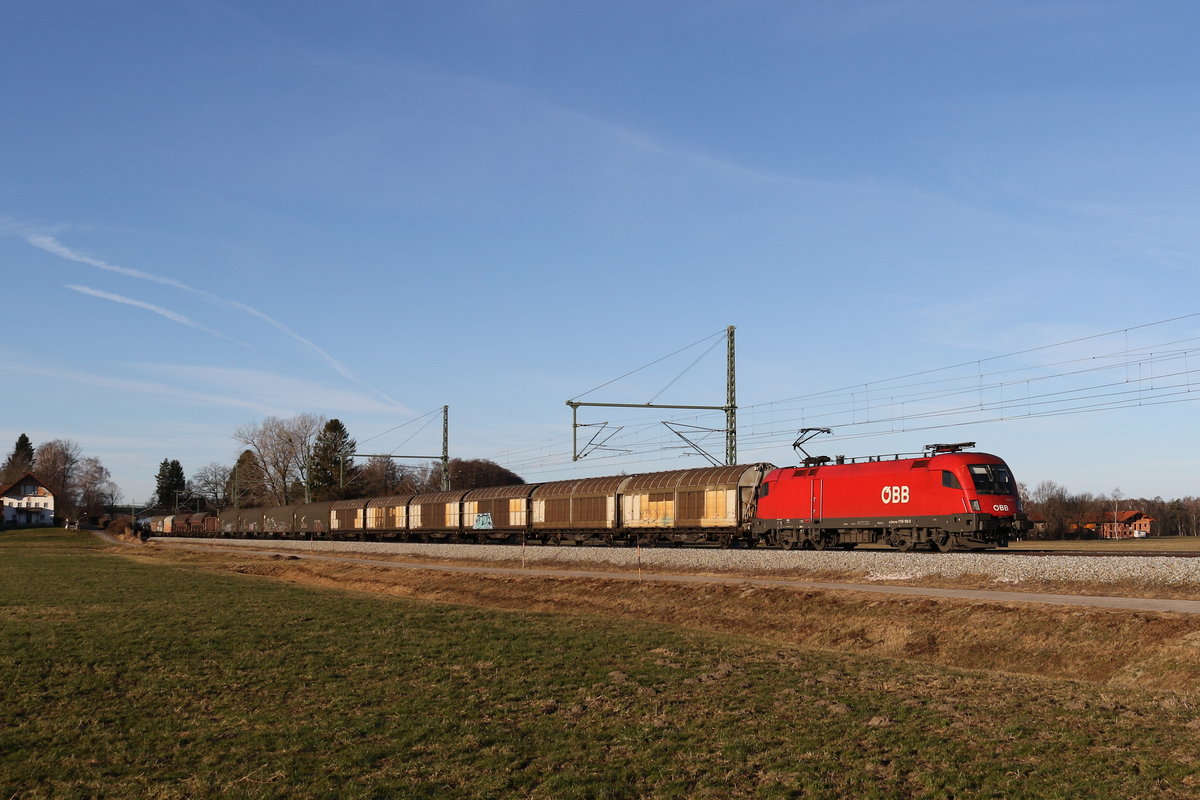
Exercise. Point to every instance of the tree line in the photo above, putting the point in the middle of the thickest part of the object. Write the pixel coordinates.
(308, 459)
(1062, 514)
(82, 486)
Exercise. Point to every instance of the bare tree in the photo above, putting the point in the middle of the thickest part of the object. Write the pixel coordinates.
(283, 448)
(96, 487)
(210, 483)
(56, 463)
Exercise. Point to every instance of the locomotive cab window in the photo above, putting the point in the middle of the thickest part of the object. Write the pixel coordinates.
(764, 489)
(950, 480)
(992, 479)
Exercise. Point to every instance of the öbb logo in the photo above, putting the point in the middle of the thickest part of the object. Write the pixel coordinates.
(894, 494)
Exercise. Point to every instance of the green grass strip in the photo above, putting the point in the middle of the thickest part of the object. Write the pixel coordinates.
(127, 679)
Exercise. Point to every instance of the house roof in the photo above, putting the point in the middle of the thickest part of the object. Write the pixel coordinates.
(22, 479)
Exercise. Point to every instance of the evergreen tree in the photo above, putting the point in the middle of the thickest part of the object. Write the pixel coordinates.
(247, 484)
(332, 467)
(170, 484)
(19, 462)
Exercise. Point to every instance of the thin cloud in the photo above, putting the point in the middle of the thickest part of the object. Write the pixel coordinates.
(267, 388)
(265, 393)
(51, 245)
(137, 387)
(171, 315)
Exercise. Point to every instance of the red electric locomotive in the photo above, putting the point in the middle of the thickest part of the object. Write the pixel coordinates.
(944, 499)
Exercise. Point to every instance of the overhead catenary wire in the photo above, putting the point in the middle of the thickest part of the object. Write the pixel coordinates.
(1154, 374)
(650, 364)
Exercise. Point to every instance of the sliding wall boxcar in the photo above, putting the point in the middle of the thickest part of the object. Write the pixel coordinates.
(388, 514)
(437, 513)
(497, 511)
(348, 516)
(584, 504)
(712, 497)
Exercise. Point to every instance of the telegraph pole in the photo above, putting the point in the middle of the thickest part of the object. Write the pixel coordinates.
(731, 456)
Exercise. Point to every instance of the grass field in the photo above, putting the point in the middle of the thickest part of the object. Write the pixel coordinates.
(128, 678)
(1155, 544)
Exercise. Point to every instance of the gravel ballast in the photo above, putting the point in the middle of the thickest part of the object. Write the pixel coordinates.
(880, 566)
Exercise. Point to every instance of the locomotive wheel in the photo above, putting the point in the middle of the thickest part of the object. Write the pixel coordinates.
(904, 544)
(820, 542)
(941, 542)
(788, 544)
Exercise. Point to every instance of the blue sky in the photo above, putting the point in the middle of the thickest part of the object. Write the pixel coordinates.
(212, 212)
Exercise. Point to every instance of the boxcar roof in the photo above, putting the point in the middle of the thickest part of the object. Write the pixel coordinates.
(390, 500)
(737, 475)
(501, 492)
(358, 502)
(581, 486)
(440, 497)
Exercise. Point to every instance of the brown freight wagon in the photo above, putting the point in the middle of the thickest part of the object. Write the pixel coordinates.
(191, 523)
(712, 504)
(436, 516)
(348, 518)
(387, 517)
(496, 513)
(576, 510)
(279, 520)
(312, 519)
(247, 521)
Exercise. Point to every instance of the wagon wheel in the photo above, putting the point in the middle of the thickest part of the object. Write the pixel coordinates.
(726, 541)
(941, 542)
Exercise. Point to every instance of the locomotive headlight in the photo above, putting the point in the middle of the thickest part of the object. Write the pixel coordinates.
(974, 505)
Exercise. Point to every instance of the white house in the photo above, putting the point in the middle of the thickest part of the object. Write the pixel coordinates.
(27, 501)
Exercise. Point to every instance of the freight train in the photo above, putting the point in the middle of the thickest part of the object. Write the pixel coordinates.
(941, 500)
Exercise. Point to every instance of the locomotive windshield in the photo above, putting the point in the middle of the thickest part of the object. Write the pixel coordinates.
(992, 479)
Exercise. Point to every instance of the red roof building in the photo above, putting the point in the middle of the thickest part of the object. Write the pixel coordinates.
(27, 501)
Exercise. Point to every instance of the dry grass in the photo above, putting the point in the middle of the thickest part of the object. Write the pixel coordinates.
(1119, 648)
(172, 675)
(1157, 544)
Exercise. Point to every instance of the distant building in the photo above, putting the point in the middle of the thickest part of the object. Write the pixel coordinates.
(1120, 525)
(27, 502)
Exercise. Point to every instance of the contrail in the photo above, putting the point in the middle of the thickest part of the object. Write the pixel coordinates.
(171, 315)
(51, 245)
